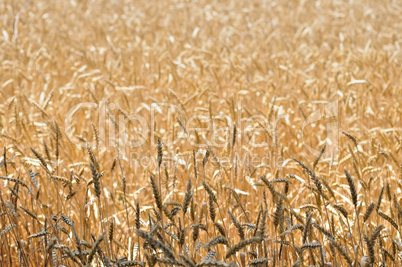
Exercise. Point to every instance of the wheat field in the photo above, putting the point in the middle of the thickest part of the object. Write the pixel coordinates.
(200, 133)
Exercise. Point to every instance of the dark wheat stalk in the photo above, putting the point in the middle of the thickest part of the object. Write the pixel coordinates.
(342, 251)
(278, 217)
(370, 249)
(111, 236)
(158, 244)
(368, 212)
(319, 186)
(156, 194)
(243, 243)
(212, 196)
(137, 227)
(236, 223)
(124, 186)
(96, 178)
(233, 159)
(159, 158)
(353, 193)
(94, 249)
(319, 157)
(238, 200)
(5, 160)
